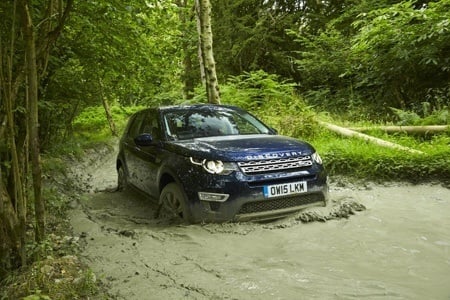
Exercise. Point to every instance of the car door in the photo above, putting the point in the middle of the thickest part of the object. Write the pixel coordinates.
(147, 158)
(130, 148)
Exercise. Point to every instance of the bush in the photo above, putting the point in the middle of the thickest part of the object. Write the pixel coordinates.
(273, 100)
(429, 117)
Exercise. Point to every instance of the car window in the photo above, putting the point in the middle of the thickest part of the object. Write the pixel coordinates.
(151, 125)
(135, 126)
(247, 124)
(203, 123)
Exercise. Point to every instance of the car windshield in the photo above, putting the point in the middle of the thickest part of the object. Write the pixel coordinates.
(189, 124)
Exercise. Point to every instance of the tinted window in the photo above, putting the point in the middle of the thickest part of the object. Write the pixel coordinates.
(151, 125)
(190, 124)
(135, 126)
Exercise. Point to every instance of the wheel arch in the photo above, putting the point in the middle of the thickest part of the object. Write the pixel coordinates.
(164, 180)
(119, 163)
(167, 176)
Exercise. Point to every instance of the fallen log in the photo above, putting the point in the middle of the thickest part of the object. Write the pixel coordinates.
(407, 129)
(377, 141)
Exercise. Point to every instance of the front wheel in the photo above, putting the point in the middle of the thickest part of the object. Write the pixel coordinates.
(173, 202)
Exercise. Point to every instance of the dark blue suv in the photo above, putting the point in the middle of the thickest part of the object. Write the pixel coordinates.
(218, 163)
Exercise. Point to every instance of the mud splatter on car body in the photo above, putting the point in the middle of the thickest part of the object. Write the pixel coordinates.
(218, 163)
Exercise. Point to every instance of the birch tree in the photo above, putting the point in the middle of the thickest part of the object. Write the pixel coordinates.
(206, 55)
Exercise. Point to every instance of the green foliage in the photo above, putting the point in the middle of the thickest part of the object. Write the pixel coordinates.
(126, 52)
(324, 59)
(327, 69)
(404, 49)
(434, 117)
(92, 120)
(56, 201)
(251, 90)
(52, 278)
(294, 118)
(251, 35)
(272, 99)
(393, 55)
(89, 128)
(406, 117)
(364, 160)
(37, 296)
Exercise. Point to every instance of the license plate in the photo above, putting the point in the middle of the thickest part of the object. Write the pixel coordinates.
(284, 189)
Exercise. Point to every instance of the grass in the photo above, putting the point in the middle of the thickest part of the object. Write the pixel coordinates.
(364, 160)
(353, 157)
(52, 278)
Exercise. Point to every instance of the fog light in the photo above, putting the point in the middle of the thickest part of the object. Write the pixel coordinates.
(213, 197)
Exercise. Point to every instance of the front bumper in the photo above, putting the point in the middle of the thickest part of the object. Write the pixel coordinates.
(278, 208)
(246, 200)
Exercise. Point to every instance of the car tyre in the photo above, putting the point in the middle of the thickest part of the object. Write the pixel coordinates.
(122, 181)
(173, 202)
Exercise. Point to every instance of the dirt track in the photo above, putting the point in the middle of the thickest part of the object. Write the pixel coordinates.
(397, 248)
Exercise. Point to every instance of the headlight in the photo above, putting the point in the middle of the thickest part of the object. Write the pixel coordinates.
(316, 157)
(214, 166)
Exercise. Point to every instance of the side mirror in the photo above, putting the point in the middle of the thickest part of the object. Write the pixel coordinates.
(144, 140)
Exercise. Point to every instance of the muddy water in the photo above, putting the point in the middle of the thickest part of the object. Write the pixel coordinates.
(397, 248)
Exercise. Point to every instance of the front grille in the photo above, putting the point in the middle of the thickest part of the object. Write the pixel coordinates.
(255, 167)
(274, 204)
(271, 181)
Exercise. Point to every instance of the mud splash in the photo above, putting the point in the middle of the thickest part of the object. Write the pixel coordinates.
(372, 241)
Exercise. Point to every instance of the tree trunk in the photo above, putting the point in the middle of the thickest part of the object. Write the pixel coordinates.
(33, 123)
(187, 76)
(379, 142)
(12, 202)
(19, 76)
(10, 230)
(407, 129)
(14, 219)
(203, 8)
(112, 125)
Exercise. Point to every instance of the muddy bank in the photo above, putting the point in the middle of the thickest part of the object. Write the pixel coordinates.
(372, 241)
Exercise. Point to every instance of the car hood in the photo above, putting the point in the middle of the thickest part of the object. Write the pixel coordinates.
(243, 147)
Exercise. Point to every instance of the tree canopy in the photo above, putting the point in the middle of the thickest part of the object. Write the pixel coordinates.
(342, 54)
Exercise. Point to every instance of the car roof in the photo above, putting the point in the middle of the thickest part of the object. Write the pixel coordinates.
(198, 107)
(190, 107)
